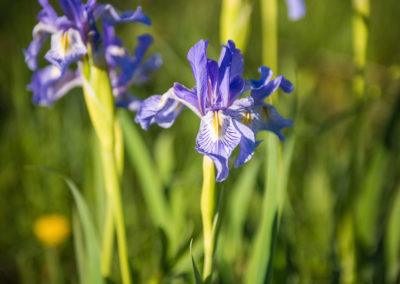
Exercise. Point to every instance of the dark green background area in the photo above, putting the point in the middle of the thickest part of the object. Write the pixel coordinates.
(346, 160)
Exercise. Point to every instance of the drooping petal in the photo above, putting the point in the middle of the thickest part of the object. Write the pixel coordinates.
(296, 9)
(247, 143)
(197, 57)
(33, 50)
(49, 84)
(217, 138)
(187, 97)
(162, 110)
(108, 13)
(272, 121)
(66, 47)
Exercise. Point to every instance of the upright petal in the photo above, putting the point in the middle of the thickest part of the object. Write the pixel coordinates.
(237, 60)
(217, 138)
(66, 47)
(49, 84)
(108, 13)
(129, 66)
(296, 9)
(224, 76)
(197, 57)
(265, 76)
(48, 14)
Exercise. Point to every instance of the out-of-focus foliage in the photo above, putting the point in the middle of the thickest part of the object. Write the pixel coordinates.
(340, 218)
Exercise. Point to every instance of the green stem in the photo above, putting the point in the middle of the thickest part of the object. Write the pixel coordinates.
(114, 194)
(269, 20)
(360, 39)
(207, 214)
(108, 242)
(53, 265)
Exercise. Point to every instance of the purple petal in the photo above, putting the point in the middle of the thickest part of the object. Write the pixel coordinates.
(296, 9)
(236, 89)
(128, 101)
(263, 92)
(187, 97)
(162, 110)
(49, 84)
(247, 143)
(286, 85)
(265, 76)
(197, 57)
(108, 13)
(272, 121)
(237, 60)
(48, 14)
(217, 138)
(33, 50)
(152, 64)
(213, 75)
(224, 75)
(66, 48)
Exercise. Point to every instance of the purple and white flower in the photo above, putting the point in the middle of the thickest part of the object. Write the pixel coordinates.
(226, 121)
(73, 36)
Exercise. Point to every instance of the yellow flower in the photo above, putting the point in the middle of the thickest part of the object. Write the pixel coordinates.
(52, 230)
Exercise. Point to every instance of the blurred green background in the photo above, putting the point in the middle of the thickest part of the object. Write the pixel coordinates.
(341, 216)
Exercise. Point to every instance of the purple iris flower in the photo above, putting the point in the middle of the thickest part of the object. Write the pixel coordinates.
(226, 121)
(296, 9)
(73, 36)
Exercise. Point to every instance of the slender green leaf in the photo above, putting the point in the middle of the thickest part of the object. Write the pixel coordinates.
(91, 242)
(140, 158)
(392, 241)
(197, 276)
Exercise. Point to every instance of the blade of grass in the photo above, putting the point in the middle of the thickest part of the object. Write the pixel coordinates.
(140, 158)
(392, 241)
(91, 242)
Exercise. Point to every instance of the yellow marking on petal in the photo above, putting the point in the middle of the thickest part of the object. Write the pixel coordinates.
(52, 230)
(217, 124)
(246, 120)
(55, 71)
(65, 43)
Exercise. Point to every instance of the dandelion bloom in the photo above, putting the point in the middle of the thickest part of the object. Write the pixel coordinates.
(226, 120)
(52, 230)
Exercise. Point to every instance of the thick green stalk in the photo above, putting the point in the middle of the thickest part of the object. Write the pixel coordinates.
(113, 191)
(107, 242)
(269, 21)
(360, 39)
(100, 104)
(208, 210)
(235, 21)
(260, 262)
